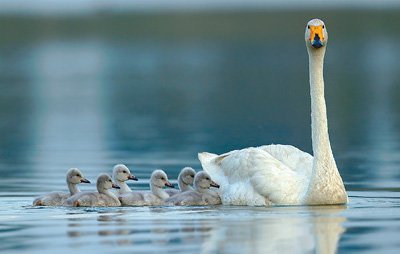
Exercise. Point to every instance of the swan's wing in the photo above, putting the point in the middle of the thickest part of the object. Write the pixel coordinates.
(292, 157)
(52, 199)
(252, 176)
(185, 198)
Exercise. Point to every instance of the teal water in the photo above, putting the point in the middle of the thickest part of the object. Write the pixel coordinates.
(153, 90)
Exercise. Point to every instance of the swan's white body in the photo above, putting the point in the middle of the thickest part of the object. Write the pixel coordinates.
(283, 174)
(158, 180)
(202, 196)
(185, 179)
(103, 198)
(74, 177)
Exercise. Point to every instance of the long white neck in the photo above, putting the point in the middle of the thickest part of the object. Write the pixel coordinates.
(159, 192)
(124, 188)
(182, 185)
(325, 180)
(73, 188)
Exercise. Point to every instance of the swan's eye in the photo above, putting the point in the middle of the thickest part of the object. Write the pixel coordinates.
(308, 27)
(323, 26)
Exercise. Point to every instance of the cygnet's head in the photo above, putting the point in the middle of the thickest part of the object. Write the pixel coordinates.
(187, 174)
(75, 176)
(104, 182)
(316, 34)
(160, 179)
(122, 173)
(203, 180)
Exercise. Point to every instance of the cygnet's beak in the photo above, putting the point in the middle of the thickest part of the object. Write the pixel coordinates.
(115, 186)
(132, 177)
(169, 184)
(316, 36)
(213, 184)
(84, 180)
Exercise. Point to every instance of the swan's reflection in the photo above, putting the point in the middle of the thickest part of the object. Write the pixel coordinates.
(313, 229)
(221, 229)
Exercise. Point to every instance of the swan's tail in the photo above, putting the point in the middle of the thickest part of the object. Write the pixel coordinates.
(210, 165)
(205, 160)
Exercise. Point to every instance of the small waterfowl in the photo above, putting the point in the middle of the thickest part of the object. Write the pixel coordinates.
(121, 174)
(103, 198)
(158, 180)
(74, 176)
(185, 178)
(201, 196)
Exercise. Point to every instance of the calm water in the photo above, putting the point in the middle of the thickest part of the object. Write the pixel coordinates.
(153, 90)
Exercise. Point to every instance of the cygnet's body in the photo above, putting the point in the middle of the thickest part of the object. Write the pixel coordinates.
(104, 197)
(74, 176)
(121, 174)
(185, 178)
(201, 196)
(157, 195)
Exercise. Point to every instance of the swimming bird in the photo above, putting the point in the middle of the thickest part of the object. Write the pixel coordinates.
(103, 198)
(158, 180)
(121, 174)
(74, 176)
(185, 178)
(201, 196)
(283, 174)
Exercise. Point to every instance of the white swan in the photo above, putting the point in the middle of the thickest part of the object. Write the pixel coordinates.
(74, 176)
(202, 196)
(158, 180)
(185, 178)
(103, 198)
(121, 174)
(282, 174)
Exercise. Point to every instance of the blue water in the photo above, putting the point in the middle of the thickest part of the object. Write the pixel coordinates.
(151, 91)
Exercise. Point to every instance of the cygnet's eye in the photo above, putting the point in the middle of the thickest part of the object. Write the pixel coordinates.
(191, 175)
(162, 178)
(78, 175)
(124, 172)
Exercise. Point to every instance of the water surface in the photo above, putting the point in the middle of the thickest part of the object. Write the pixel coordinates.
(153, 90)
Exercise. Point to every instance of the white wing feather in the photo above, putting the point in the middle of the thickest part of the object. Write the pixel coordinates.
(266, 175)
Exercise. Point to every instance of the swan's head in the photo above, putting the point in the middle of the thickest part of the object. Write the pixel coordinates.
(75, 176)
(122, 173)
(203, 180)
(104, 182)
(187, 174)
(160, 179)
(316, 34)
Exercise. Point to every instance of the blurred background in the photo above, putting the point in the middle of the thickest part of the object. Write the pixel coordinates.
(90, 84)
(150, 83)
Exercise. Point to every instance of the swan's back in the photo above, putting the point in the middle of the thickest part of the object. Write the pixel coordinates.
(143, 198)
(54, 198)
(186, 198)
(259, 175)
(91, 199)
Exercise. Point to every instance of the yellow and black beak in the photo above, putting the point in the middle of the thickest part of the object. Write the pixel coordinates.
(316, 36)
